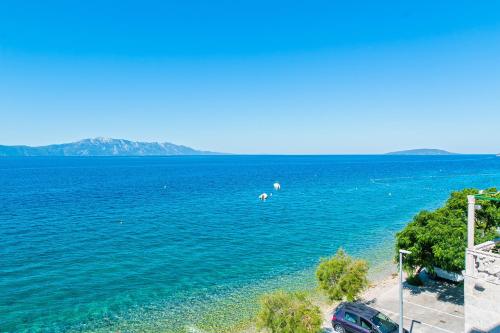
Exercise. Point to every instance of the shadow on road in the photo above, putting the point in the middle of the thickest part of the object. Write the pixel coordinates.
(413, 323)
(446, 291)
(495, 329)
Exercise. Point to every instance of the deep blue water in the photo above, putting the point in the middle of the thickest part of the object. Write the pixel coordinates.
(169, 243)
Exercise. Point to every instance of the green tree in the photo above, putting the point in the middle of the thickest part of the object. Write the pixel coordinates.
(439, 238)
(284, 312)
(342, 276)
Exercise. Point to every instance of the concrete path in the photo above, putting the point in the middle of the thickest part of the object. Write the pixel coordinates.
(435, 308)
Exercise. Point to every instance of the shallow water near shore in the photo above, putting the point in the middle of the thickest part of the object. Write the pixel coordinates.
(179, 244)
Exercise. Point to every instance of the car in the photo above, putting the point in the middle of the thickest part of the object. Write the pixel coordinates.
(352, 317)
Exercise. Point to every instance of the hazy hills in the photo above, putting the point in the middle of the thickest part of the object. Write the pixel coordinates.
(103, 147)
(424, 151)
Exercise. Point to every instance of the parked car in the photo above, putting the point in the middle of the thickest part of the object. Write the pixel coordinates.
(359, 318)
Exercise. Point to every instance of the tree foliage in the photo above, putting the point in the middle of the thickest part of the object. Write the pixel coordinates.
(284, 312)
(439, 238)
(342, 276)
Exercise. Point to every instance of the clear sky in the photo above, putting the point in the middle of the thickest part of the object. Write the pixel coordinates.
(254, 76)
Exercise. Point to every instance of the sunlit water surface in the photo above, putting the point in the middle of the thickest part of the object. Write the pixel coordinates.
(176, 244)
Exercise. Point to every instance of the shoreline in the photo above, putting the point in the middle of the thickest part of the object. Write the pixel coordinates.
(382, 278)
(375, 289)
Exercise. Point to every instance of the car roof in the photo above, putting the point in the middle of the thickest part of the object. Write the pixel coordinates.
(360, 309)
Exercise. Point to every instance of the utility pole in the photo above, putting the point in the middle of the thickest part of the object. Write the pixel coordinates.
(401, 252)
(471, 220)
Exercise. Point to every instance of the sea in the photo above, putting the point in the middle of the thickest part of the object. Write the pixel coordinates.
(183, 244)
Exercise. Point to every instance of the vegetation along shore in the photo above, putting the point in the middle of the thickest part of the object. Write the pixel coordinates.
(437, 240)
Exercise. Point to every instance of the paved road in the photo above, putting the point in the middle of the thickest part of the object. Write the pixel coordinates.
(435, 308)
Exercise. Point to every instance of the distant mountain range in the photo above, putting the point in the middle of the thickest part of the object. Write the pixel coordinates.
(421, 152)
(103, 147)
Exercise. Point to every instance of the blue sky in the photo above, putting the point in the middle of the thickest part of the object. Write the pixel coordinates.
(253, 77)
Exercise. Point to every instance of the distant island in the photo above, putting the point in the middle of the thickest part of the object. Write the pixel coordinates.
(103, 147)
(424, 151)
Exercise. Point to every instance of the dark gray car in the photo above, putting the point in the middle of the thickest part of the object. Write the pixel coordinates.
(360, 318)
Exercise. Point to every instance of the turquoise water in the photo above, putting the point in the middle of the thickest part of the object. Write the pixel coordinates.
(177, 243)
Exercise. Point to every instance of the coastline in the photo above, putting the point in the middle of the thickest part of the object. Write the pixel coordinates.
(375, 289)
(199, 262)
(382, 277)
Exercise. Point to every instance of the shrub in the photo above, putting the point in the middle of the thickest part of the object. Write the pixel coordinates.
(284, 312)
(414, 280)
(439, 238)
(342, 276)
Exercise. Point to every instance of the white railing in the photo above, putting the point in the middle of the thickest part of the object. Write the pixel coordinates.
(482, 263)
